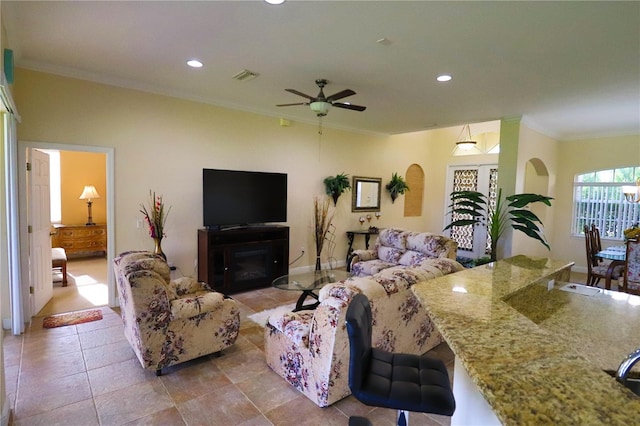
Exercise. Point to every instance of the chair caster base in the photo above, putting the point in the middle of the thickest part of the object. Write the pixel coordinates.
(359, 421)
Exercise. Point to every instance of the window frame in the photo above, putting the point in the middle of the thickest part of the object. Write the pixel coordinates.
(604, 203)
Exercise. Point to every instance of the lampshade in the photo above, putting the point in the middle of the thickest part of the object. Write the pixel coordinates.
(466, 145)
(89, 193)
(320, 108)
(632, 193)
(464, 140)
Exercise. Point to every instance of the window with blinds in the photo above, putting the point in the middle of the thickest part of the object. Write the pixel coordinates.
(598, 199)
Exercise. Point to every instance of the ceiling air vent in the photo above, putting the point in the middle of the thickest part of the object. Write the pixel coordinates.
(245, 75)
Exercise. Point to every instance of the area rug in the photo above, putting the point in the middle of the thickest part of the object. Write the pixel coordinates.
(72, 318)
(261, 317)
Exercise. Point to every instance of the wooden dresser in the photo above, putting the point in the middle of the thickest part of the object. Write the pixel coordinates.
(82, 240)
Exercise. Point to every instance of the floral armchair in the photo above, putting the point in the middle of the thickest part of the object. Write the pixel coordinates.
(310, 349)
(399, 247)
(170, 321)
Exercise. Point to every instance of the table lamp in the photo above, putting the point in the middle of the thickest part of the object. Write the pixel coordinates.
(88, 193)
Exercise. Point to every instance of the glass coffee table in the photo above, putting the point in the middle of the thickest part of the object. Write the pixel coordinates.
(307, 282)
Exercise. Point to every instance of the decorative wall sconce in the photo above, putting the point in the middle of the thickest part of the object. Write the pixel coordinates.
(88, 194)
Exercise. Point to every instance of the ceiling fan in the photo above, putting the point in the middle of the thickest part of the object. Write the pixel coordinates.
(321, 103)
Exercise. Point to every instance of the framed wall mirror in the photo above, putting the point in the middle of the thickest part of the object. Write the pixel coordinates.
(366, 194)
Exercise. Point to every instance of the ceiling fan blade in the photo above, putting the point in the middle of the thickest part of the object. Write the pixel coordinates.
(298, 103)
(295, 92)
(340, 95)
(349, 106)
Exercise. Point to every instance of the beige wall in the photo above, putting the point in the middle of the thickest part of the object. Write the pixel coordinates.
(78, 169)
(162, 144)
(577, 157)
(5, 307)
(536, 149)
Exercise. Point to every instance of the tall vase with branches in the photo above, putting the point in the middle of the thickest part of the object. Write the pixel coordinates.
(155, 216)
(321, 221)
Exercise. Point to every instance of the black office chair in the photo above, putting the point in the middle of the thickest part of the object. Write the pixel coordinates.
(379, 378)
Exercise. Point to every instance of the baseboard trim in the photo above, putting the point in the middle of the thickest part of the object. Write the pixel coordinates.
(581, 269)
(6, 412)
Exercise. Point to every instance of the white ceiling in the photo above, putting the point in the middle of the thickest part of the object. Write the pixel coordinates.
(570, 69)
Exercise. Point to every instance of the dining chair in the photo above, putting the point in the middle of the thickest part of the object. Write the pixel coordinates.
(598, 268)
(631, 282)
(595, 234)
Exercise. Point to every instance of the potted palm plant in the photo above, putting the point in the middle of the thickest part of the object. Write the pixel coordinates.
(336, 185)
(396, 186)
(472, 207)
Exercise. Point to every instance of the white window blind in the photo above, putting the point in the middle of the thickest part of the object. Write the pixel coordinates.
(598, 199)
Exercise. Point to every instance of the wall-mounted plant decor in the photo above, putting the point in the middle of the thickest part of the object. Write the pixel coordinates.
(336, 185)
(396, 186)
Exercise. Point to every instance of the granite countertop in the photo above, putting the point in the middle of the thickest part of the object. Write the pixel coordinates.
(537, 356)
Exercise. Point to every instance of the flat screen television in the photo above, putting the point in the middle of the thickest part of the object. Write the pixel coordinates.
(239, 198)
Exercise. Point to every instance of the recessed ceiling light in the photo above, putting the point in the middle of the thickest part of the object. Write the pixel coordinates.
(194, 63)
(444, 77)
(274, 1)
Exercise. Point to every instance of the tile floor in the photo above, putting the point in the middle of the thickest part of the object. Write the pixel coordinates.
(88, 375)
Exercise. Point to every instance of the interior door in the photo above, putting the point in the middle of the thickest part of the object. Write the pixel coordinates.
(39, 212)
(473, 241)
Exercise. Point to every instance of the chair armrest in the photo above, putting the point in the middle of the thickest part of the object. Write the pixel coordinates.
(186, 285)
(361, 256)
(196, 304)
(294, 325)
(444, 265)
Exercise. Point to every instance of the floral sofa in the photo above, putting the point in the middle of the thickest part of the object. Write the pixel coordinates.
(170, 321)
(399, 247)
(310, 349)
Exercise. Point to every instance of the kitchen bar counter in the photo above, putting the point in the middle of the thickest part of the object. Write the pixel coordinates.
(535, 353)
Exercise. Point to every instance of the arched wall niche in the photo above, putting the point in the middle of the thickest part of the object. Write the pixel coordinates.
(536, 181)
(413, 197)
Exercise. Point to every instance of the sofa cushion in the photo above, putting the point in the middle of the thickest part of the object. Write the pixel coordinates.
(390, 254)
(370, 267)
(392, 237)
(441, 266)
(433, 245)
(411, 258)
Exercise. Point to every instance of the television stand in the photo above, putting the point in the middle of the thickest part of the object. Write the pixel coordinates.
(242, 258)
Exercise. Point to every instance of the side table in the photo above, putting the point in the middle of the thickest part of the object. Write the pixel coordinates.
(367, 237)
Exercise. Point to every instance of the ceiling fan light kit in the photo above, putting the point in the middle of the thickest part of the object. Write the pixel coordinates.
(321, 103)
(320, 108)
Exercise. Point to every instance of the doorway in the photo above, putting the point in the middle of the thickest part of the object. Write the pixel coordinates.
(106, 274)
(86, 287)
(473, 240)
